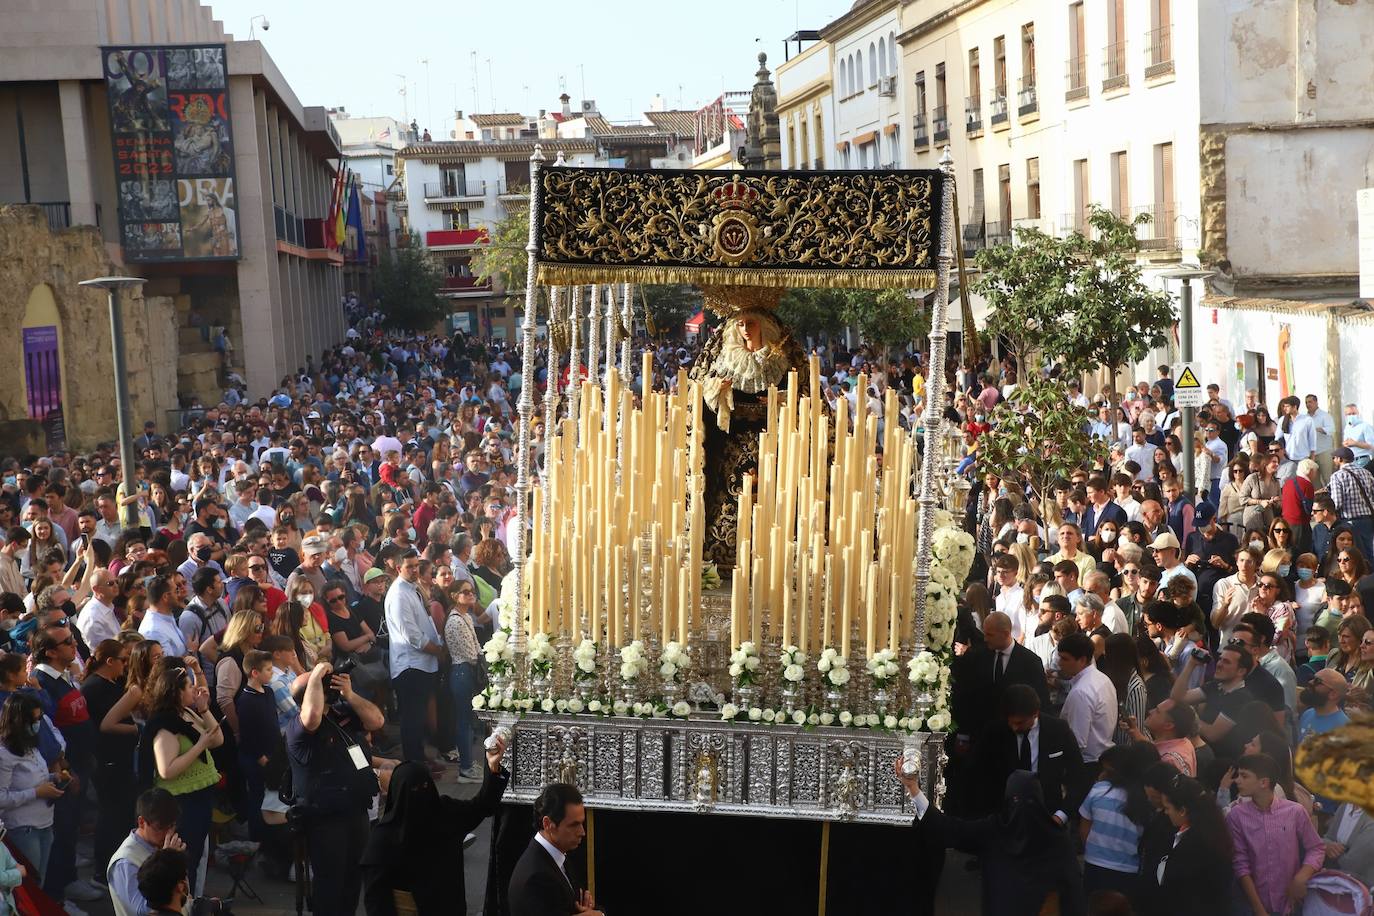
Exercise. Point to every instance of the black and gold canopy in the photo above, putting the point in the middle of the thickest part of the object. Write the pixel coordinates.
(863, 230)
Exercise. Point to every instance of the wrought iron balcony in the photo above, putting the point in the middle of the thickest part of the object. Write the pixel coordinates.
(1027, 102)
(1076, 79)
(1114, 67)
(998, 108)
(440, 190)
(918, 131)
(1159, 52)
(973, 114)
(941, 119)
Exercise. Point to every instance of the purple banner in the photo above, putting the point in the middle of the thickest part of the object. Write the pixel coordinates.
(43, 383)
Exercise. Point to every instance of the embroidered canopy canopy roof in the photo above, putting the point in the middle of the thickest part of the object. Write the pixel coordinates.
(864, 230)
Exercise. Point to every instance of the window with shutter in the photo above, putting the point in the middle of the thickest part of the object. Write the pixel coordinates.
(1032, 188)
(1120, 185)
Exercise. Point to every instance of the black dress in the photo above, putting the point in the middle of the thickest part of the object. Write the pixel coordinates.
(1025, 855)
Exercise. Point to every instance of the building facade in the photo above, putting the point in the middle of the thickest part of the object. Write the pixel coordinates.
(258, 311)
(868, 90)
(806, 105)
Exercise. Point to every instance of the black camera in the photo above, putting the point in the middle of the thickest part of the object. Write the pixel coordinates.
(210, 906)
(343, 666)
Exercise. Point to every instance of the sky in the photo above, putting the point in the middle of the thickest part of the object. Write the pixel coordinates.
(528, 52)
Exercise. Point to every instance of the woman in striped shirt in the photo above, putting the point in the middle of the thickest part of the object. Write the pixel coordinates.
(1114, 814)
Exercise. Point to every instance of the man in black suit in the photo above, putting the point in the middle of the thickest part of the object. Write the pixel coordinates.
(1026, 739)
(540, 886)
(981, 676)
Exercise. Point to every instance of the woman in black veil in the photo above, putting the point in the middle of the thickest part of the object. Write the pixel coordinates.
(1026, 855)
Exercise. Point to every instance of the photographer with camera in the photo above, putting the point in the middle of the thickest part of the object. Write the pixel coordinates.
(1219, 700)
(333, 783)
(157, 829)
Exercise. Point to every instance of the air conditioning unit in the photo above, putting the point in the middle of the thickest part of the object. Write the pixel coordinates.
(887, 86)
(588, 106)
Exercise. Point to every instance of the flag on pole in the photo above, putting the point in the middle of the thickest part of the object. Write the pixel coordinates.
(355, 222)
(335, 201)
(340, 228)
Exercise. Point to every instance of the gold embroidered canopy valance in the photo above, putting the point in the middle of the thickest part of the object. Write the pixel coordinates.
(863, 230)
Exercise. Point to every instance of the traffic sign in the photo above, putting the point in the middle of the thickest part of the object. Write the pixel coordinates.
(1188, 388)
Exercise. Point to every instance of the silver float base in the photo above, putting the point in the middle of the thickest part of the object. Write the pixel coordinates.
(706, 766)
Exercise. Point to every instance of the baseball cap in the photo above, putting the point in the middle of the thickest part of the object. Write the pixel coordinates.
(313, 545)
(1206, 512)
(1343, 453)
(373, 573)
(1165, 541)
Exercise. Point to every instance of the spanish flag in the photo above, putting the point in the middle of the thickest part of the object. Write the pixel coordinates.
(340, 227)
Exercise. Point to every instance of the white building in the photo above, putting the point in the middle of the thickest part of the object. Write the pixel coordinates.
(806, 104)
(370, 146)
(868, 92)
(456, 192)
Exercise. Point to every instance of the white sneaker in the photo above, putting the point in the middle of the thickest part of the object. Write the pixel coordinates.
(71, 909)
(471, 774)
(84, 891)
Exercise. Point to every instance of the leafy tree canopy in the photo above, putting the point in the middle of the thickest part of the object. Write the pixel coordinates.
(407, 286)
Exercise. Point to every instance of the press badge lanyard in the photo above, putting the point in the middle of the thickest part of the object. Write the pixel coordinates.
(355, 752)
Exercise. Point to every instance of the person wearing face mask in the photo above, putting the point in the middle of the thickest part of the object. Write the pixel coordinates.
(1358, 436)
(1322, 698)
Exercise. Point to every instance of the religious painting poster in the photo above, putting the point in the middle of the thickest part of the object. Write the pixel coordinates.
(173, 151)
(43, 383)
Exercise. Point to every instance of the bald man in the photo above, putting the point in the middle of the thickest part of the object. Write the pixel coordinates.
(97, 619)
(1322, 696)
(982, 675)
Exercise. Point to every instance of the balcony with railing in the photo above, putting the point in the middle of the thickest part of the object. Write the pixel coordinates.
(1027, 102)
(997, 233)
(456, 238)
(941, 123)
(508, 188)
(290, 228)
(1159, 53)
(918, 131)
(997, 107)
(1075, 79)
(454, 190)
(973, 115)
(1076, 221)
(1114, 67)
(975, 236)
(1161, 232)
(467, 284)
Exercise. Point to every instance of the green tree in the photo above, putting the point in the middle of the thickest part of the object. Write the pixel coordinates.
(503, 259)
(1113, 318)
(667, 308)
(889, 317)
(1023, 285)
(1037, 436)
(813, 313)
(407, 286)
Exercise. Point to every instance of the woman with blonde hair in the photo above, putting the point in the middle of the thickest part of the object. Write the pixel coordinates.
(241, 636)
(314, 634)
(1025, 556)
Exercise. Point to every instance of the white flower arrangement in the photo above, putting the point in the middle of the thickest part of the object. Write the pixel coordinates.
(791, 662)
(923, 669)
(506, 604)
(584, 661)
(499, 652)
(744, 662)
(674, 660)
(953, 548)
(834, 666)
(882, 666)
(633, 661)
(541, 655)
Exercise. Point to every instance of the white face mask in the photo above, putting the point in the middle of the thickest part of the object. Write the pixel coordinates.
(1256, 545)
(306, 598)
(341, 555)
(1108, 535)
(1022, 538)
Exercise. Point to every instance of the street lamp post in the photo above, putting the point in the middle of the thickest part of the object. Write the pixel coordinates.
(1185, 334)
(128, 514)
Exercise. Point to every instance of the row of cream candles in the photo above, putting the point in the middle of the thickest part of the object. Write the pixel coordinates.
(603, 550)
(775, 573)
(592, 546)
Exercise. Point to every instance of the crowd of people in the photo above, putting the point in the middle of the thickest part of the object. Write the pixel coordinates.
(1152, 656)
(290, 575)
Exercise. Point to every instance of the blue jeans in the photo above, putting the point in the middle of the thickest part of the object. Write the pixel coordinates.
(193, 825)
(1363, 527)
(35, 843)
(462, 683)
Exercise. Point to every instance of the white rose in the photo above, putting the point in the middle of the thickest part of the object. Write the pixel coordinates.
(873, 720)
(890, 722)
(752, 663)
(621, 707)
(493, 657)
(658, 712)
(846, 717)
(793, 673)
(586, 665)
(839, 677)
(628, 671)
(479, 701)
(813, 719)
(506, 703)
(747, 646)
(574, 705)
(594, 706)
(769, 715)
(682, 708)
(938, 721)
(729, 711)
(799, 717)
(903, 722)
(735, 670)
(824, 664)
(755, 714)
(562, 705)
(827, 718)
(667, 669)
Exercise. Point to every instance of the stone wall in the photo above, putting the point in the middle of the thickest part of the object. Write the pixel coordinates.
(30, 255)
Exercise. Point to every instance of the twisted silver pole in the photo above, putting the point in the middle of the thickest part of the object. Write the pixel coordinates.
(551, 391)
(612, 330)
(627, 322)
(928, 499)
(575, 357)
(518, 543)
(594, 338)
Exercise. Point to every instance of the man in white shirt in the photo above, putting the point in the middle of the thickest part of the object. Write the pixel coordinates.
(1121, 484)
(1300, 434)
(97, 619)
(160, 623)
(1166, 551)
(1323, 432)
(415, 649)
(1010, 593)
(1091, 706)
(1142, 453)
(108, 528)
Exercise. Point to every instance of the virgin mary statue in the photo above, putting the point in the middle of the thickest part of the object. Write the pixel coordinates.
(747, 353)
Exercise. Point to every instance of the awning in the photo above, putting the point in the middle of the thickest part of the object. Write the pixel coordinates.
(693, 325)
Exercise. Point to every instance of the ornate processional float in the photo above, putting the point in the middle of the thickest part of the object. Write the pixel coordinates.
(733, 599)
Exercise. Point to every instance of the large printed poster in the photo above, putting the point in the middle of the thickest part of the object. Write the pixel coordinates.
(173, 152)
